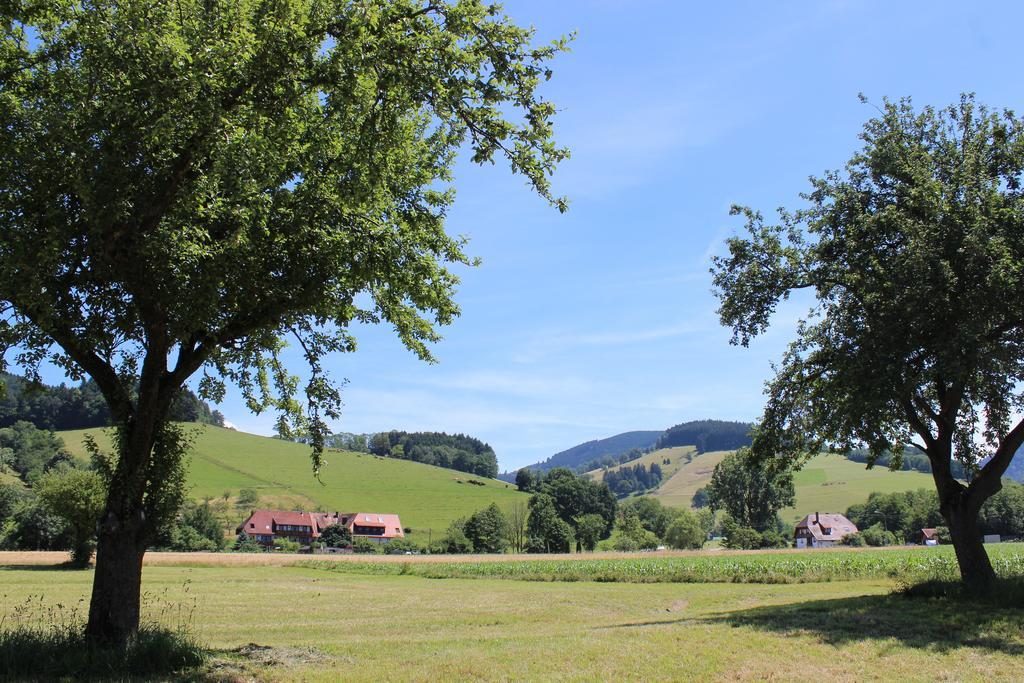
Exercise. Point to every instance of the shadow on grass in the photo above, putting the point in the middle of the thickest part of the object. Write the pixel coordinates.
(62, 567)
(933, 617)
(56, 652)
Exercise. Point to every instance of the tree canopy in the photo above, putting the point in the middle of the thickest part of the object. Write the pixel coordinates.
(916, 335)
(752, 494)
(185, 187)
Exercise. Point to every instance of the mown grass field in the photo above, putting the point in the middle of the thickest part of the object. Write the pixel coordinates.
(426, 498)
(828, 483)
(304, 623)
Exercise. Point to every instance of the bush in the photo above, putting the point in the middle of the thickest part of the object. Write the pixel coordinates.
(248, 498)
(856, 540)
(245, 544)
(365, 546)
(740, 537)
(400, 546)
(685, 532)
(286, 546)
(876, 535)
(773, 539)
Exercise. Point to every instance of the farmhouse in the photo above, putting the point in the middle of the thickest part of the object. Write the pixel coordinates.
(263, 526)
(928, 537)
(822, 530)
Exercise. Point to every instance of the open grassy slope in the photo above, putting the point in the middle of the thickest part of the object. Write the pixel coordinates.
(425, 497)
(677, 457)
(828, 483)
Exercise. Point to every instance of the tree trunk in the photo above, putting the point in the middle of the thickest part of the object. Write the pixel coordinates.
(117, 584)
(976, 571)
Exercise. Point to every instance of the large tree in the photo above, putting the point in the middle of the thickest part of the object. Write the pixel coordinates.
(916, 335)
(751, 492)
(185, 186)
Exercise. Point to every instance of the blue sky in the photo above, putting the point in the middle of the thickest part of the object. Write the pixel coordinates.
(582, 325)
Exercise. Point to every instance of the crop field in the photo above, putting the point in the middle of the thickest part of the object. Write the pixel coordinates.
(384, 620)
(426, 498)
(828, 483)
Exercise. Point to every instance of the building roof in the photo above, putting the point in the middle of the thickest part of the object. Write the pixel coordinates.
(826, 526)
(930, 534)
(266, 522)
(391, 524)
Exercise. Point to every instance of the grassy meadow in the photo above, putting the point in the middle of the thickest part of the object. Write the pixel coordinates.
(426, 498)
(319, 623)
(828, 483)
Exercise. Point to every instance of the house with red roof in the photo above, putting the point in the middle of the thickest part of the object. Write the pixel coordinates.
(264, 526)
(822, 530)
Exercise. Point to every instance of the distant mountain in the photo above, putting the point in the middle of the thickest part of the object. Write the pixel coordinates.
(707, 435)
(613, 446)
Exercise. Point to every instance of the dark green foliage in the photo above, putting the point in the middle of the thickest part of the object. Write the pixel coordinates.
(454, 451)
(30, 451)
(910, 460)
(590, 529)
(245, 544)
(400, 546)
(546, 531)
(739, 537)
(196, 529)
(855, 540)
(185, 186)
(487, 530)
(59, 408)
(638, 478)
(527, 480)
(652, 514)
(707, 435)
(700, 498)
(347, 441)
(336, 536)
(1003, 513)
(34, 527)
(877, 536)
(574, 496)
(685, 532)
(904, 513)
(631, 535)
(77, 497)
(915, 335)
(750, 492)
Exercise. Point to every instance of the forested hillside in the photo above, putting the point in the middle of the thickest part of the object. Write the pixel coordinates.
(80, 407)
(585, 453)
(707, 435)
(453, 451)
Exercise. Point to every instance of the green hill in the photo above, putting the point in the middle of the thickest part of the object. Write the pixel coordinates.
(677, 457)
(828, 483)
(427, 498)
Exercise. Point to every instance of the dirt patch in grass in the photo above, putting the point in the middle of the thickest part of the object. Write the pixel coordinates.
(260, 661)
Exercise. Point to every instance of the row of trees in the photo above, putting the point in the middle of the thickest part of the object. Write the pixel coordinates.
(81, 407)
(454, 451)
(904, 514)
(707, 435)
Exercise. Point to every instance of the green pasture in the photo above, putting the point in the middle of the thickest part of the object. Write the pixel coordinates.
(426, 498)
(828, 483)
(302, 623)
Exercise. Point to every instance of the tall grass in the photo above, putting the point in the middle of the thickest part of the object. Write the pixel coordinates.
(42, 641)
(908, 566)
